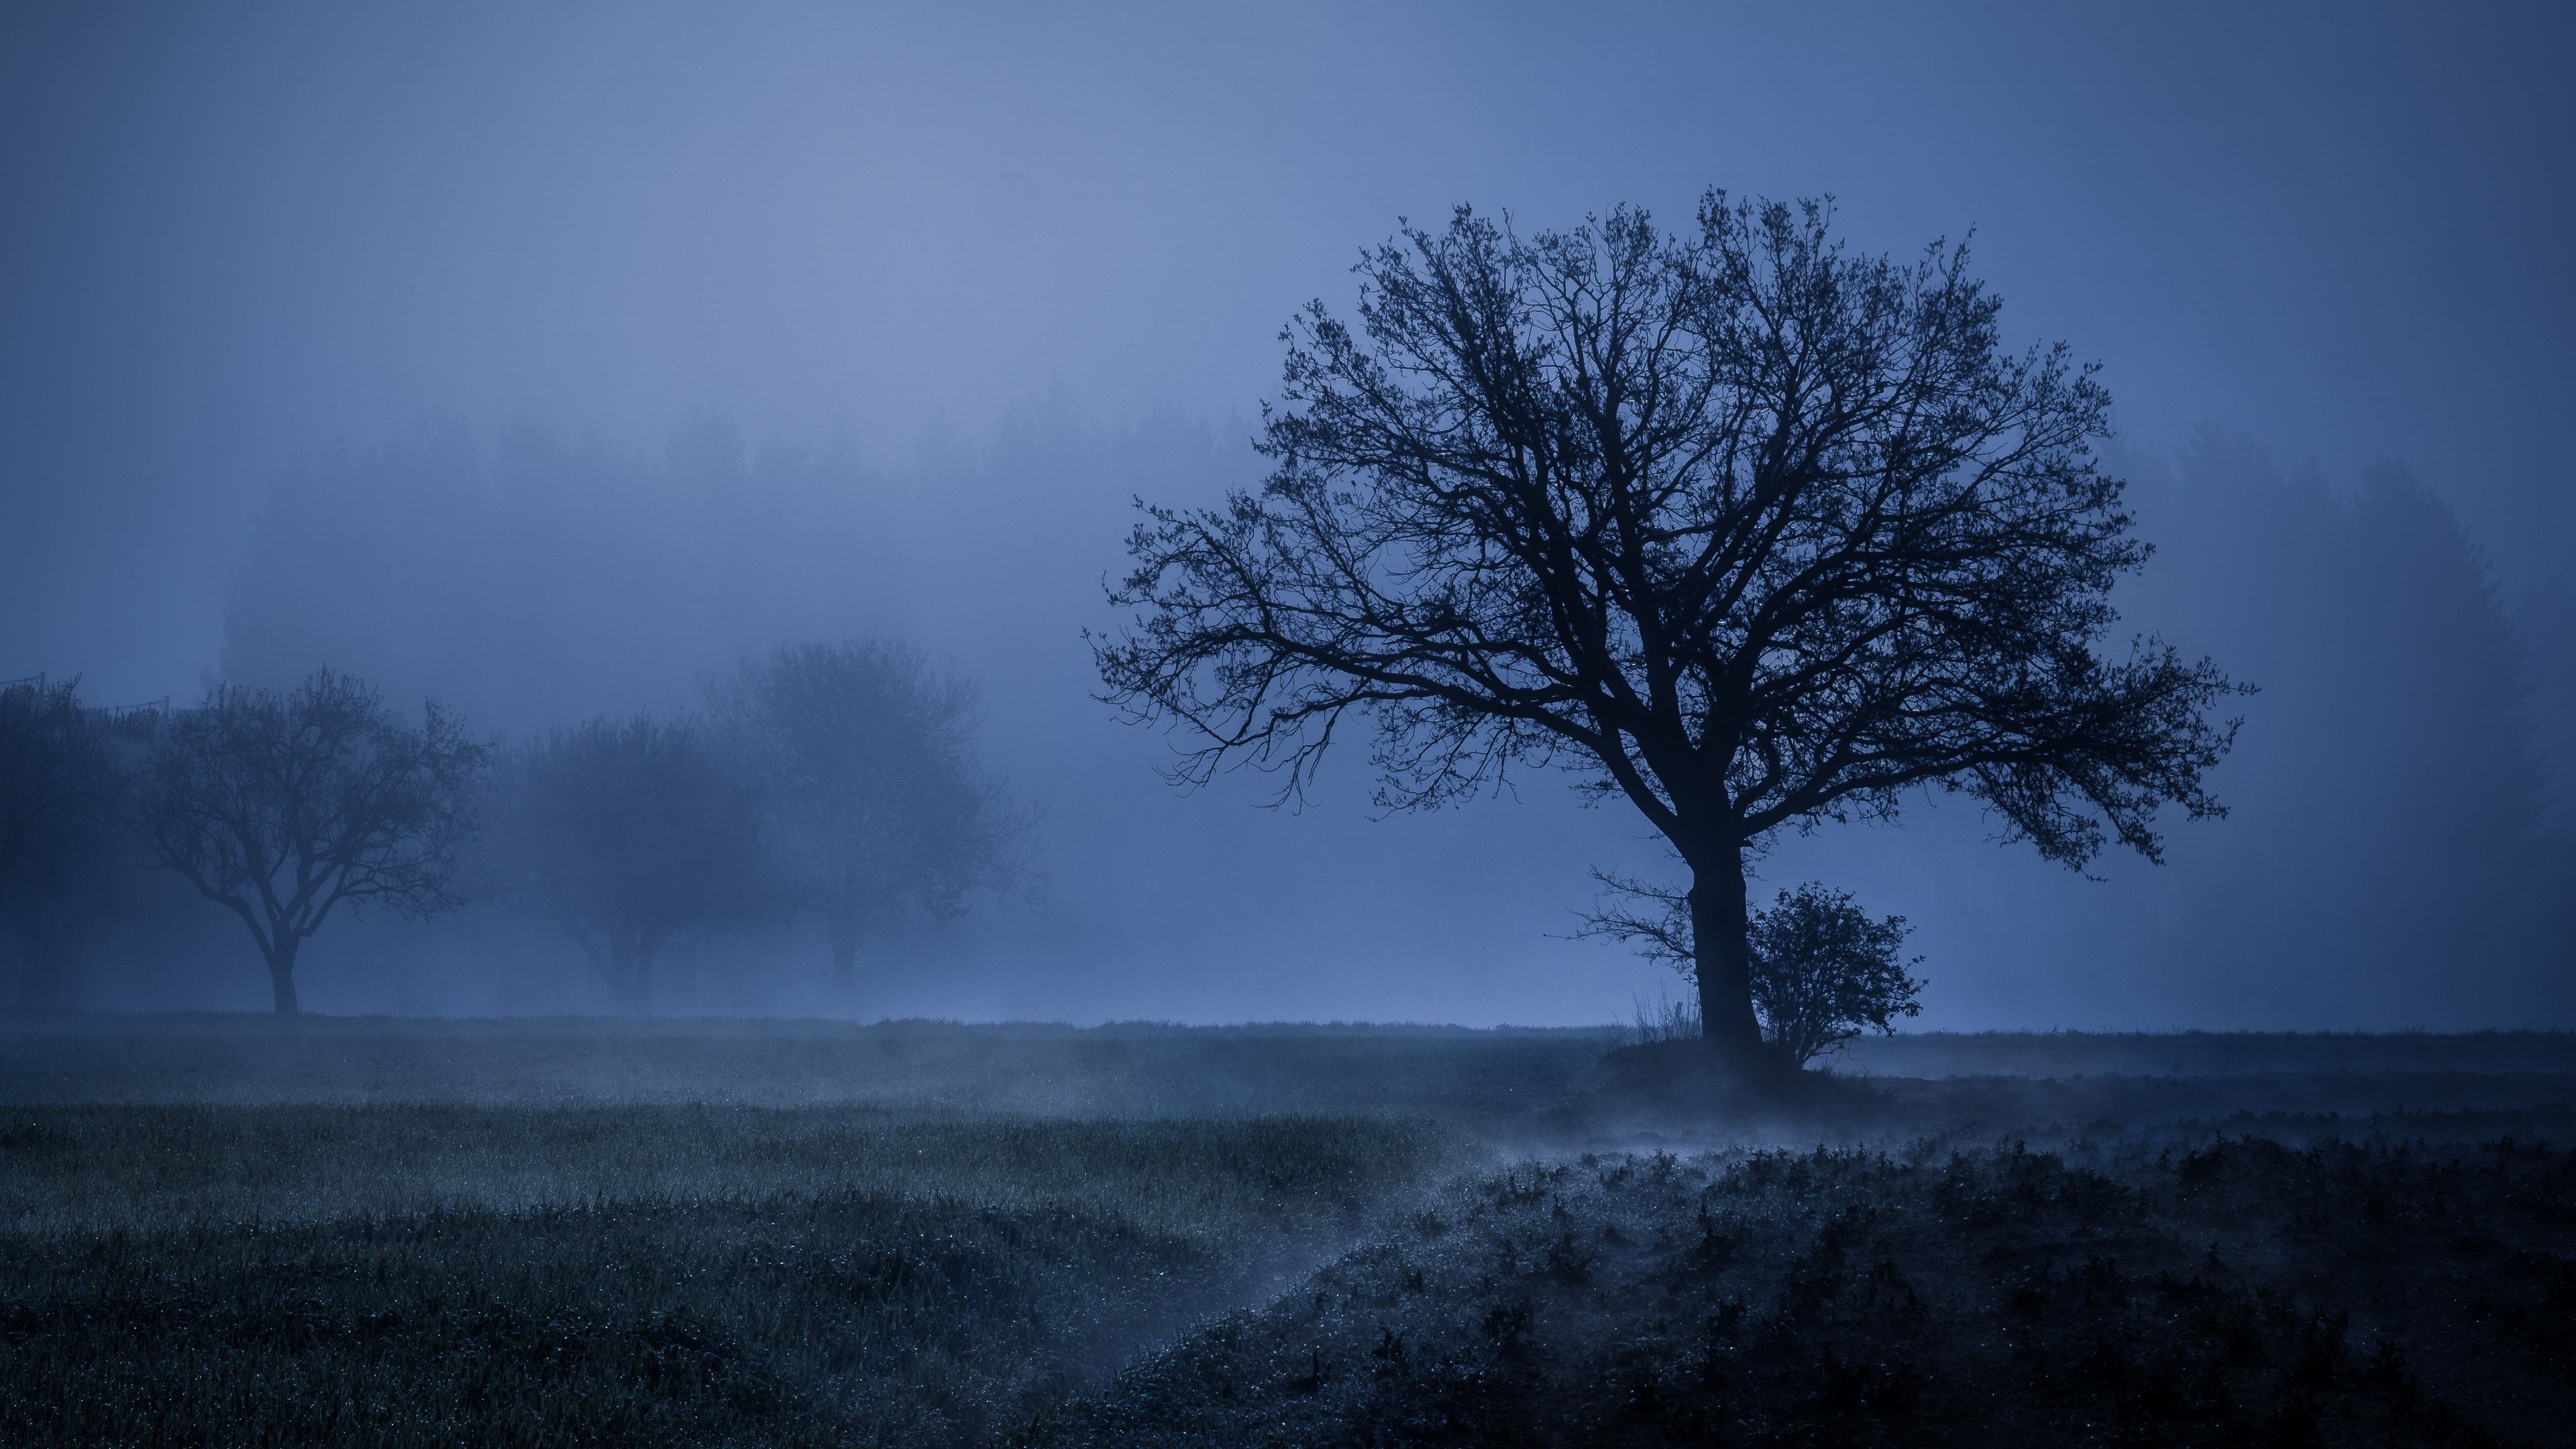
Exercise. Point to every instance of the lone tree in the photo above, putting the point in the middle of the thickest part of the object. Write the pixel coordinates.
(281, 806)
(629, 833)
(1747, 530)
(867, 759)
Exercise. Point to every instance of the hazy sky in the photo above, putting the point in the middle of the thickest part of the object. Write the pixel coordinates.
(232, 236)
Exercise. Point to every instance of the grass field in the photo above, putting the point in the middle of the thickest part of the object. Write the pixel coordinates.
(225, 1231)
(647, 1274)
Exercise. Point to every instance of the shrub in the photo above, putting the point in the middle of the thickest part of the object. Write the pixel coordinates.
(1824, 972)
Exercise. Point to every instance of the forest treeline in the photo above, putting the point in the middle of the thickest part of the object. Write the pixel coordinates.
(2401, 795)
(839, 781)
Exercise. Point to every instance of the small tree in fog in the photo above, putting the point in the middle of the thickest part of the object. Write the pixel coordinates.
(628, 833)
(1822, 971)
(65, 785)
(280, 807)
(867, 757)
(1748, 530)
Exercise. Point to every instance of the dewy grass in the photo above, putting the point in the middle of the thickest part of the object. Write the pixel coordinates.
(103, 1168)
(633, 1275)
(812, 1234)
(2242, 1294)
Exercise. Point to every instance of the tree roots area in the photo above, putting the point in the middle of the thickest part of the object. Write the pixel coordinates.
(652, 1233)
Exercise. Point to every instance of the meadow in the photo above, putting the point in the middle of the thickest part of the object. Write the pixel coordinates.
(226, 1231)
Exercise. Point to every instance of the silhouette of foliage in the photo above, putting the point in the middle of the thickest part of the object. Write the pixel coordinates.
(1747, 530)
(1822, 970)
(866, 757)
(280, 806)
(628, 833)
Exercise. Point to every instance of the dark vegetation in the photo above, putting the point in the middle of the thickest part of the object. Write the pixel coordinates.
(2240, 1292)
(630, 1275)
(1821, 971)
(234, 1231)
(628, 834)
(867, 756)
(282, 807)
(834, 779)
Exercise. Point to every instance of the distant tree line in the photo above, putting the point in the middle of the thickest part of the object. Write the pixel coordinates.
(832, 780)
(2405, 787)
(2402, 796)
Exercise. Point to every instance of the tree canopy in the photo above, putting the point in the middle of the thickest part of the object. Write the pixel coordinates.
(628, 832)
(867, 757)
(1747, 530)
(281, 806)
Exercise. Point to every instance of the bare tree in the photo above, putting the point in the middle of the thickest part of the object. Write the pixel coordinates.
(629, 833)
(279, 807)
(1746, 530)
(868, 758)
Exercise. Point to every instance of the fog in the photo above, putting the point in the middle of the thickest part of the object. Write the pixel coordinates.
(550, 363)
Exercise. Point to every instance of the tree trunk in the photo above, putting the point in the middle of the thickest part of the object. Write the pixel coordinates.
(1724, 962)
(843, 928)
(281, 972)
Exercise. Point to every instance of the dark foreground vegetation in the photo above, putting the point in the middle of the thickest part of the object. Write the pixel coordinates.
(2242, 1293)
(417, 1233)
(631, 1276)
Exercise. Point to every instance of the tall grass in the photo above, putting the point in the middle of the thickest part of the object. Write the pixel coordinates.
(1664, 1019)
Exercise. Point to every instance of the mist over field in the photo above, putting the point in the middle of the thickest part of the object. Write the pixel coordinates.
(552, 363)
(1443, 726)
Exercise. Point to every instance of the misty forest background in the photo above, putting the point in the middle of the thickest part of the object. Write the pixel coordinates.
(2401, 793)
(550, 366)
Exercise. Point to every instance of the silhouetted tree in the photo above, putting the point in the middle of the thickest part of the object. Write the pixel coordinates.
(281, 806)
(867, 756)
(1751, 532)
(628, 833)
(64, 792)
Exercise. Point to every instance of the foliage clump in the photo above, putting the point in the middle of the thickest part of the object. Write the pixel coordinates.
(1822, 970)
(866, 755)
